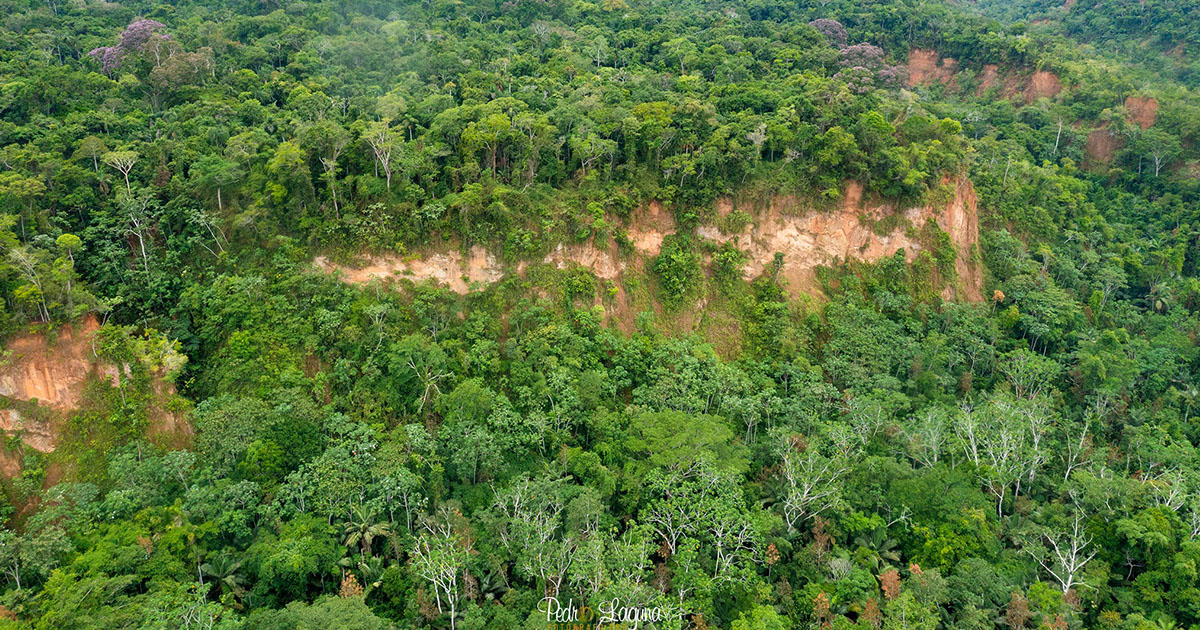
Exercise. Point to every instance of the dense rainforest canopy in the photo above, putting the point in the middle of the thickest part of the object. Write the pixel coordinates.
(262, 444)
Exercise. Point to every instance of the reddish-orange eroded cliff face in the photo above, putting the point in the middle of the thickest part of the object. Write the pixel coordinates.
(42, 381)
(926, 67)
(807, 238)
(1142, 110)
(52, 376)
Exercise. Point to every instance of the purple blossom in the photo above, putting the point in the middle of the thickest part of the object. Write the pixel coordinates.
(861, 79)
(832, 30)
(109, 57)
(138, 33)
(864, 69)
(133, 39)
(858, 79)
(892, 76)
(865, 55)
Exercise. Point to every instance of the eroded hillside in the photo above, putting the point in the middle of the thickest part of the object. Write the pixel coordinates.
(857, 228)
(45, 379)
(48, 377)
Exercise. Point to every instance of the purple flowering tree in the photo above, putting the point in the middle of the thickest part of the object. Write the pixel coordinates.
(139, 32)
(864, 69)
(109, 58)
(134, 39)
(863, 65)
(832, 30)
(155, 58)
(865, 55)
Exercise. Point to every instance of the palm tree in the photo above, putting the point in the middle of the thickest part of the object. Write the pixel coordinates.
(1165, 622)
(362, 529)
(1159, 297)
(877, 550)
(1189, 394)
(494, 584)
(223, 569)
(371, 571)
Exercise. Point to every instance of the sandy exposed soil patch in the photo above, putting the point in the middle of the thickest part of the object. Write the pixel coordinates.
(648, 226)
(449, 268)
(808, 239)
(602, 263)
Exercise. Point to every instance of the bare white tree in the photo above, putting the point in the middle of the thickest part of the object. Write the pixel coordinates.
(1077, 448)
(926, 436)
(383, 142)
(25, 261)
(439, 554)
(671, 520)
(1065, 553)
(429, 381)
(865, 417)
(1168, 489)
(1003, 438)
(533, 513)
(137, 208)
(809, 482)
(733, 537)
(123, 161)
(1192, 516)
(758, 137)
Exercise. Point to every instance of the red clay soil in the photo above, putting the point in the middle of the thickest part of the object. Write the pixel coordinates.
(45, 379)
(927, 66)
(1102, 146)
(1043, 84)
(1142, 110)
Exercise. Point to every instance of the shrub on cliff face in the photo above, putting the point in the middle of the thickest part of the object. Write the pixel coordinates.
(677, 267)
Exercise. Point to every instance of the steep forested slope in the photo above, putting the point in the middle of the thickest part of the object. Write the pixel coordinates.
(733, 315)
(1160, 34)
